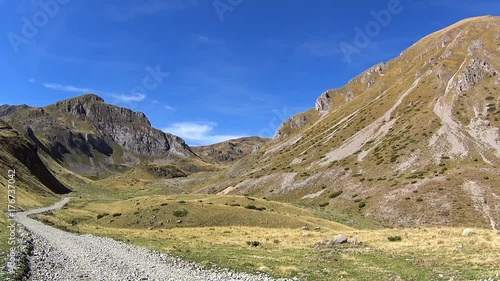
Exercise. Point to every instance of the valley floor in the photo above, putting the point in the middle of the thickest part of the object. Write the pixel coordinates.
(59, 255)
(282, 252)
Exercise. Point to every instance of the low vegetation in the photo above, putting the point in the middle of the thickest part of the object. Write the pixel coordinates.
(277, 238)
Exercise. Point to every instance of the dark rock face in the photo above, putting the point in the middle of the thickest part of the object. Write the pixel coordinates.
(89, 130)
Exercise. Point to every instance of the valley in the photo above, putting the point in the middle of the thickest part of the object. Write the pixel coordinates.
(401, 165)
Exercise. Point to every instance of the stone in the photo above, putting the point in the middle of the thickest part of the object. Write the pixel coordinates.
(339, 239)
(468, 232)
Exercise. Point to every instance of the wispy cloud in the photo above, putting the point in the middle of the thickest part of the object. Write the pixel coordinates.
(149, 7)
(68, 88)
(197, 133)
(32, 80)
(129, 98)
(137, 97)
(169, 108)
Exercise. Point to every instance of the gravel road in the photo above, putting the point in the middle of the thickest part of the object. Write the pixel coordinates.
(59, 255)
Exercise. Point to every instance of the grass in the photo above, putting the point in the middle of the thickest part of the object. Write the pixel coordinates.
(422, 254)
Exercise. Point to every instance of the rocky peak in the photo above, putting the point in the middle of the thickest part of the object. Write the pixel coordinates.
(88, 98)
(92, 108)
(10, 109)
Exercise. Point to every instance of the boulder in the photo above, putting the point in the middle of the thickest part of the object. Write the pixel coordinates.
(468, 232)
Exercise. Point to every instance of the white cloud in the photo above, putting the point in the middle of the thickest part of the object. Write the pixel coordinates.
(129, 98)
(67, 88)
(73, 89)
(198, 133)
(32, 80)
(168, 107)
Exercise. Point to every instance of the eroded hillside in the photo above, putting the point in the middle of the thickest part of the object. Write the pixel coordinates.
(414, 141)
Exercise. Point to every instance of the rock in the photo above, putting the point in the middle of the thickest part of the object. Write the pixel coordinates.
(305, 227)
(324, 101)
(468, 232)
(317, 228)
(339, 239)
(178, 221)
(474, 72)
(354, 241)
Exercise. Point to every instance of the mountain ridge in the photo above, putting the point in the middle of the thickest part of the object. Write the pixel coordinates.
(408, 142)
(89, 136)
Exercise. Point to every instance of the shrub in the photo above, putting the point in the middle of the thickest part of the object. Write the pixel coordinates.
(182, 202)
(234, 204)
(100, 216)
(335, 194)
(253, 243)
(117, 214)
(164, 204)
(180, 213)
(394, 238)
(324, 204)
(361, 204)
(253, 207)
(419, 199)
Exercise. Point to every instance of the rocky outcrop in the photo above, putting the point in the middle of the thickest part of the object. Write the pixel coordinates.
(323, 102)
(475, 71)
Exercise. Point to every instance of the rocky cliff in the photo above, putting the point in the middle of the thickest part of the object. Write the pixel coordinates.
(93, 138)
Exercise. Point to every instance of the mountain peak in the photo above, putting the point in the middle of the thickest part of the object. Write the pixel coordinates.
(88, 98)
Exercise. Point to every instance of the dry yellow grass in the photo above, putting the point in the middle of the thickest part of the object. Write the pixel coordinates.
(423, 253)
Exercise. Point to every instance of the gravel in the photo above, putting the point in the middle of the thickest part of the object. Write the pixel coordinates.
(59, 255)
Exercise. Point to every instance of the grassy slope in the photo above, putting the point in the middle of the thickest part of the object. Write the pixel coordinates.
(401, 178)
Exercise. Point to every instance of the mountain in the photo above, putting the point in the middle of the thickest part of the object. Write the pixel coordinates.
(409, 142)
(230, 151)
(24, 171)
(93, 138)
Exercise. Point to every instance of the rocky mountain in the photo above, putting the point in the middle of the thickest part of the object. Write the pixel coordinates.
(413, 141)
(228, 152)
(93, 138)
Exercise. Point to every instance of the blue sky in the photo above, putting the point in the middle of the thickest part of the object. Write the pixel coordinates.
(206, 70)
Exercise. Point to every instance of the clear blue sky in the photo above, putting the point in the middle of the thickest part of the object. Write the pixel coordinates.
(225, 72)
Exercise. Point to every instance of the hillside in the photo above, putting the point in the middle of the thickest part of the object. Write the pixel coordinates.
(230, 151)
(93, 138)
(409, 142)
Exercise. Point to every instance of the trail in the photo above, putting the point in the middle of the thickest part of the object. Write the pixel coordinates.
(59, 255)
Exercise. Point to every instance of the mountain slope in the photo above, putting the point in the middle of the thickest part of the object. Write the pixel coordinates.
(31, 183)
(93, 138)
(230, 151)
(409, 142)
